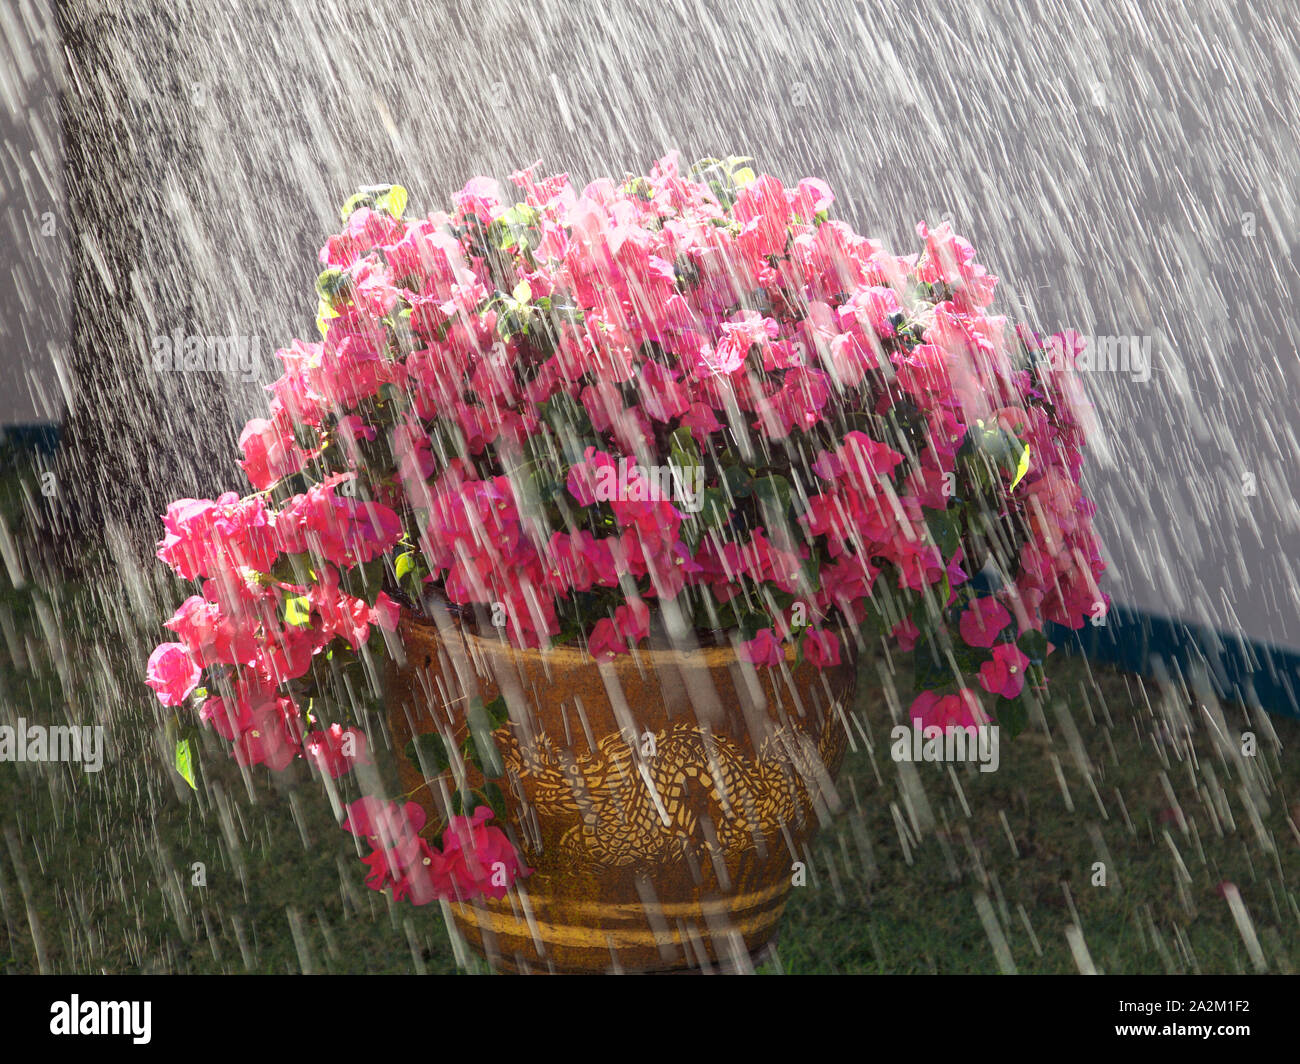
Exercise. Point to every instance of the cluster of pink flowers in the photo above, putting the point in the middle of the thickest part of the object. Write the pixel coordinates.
(867, 436)
(475, 860)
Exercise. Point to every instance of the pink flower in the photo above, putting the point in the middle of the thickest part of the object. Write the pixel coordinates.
(364, 229)
(335, 750)
(420, 873)
(950, 260)
(811, 198)
(273, 739)
(480, 858)
(821, 648)
(269, 453)
(764, 649)
(386, 613)
(588, 481)
(960, 710)
(633, 620)
(1005, 674)
(799, 403)
(229, 718)
(382, 822)
(481, 198)
(605, 643)
(211, 637)
(172, 673)
(701, 420)
(353, 365)
(764, 212)
(875, 307)
(343, 530)
(982, 622)
(204, 536)
(906, 633)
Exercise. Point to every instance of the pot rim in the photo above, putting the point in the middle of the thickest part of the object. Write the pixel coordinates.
(640, 658)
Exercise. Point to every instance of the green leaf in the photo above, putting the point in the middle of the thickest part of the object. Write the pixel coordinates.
(293, 569)
(404, 564)
(297, 611)
(1022, 467)
(683, 440)
(945, 529)
(429, 753)
(930, 670)
(1033, 645)
(323, 314)
(185, 763)
(775, 491)
(393, 201)
(714, 510)
(388, 198)
(1013, 715)
(332, 287)
(522, 293)
(480, 731)
(463, 803)
(494, 797)
(567, 417)
(751, 623)
(522, 214)
(744, 176)
(498, 713)
(738, 481)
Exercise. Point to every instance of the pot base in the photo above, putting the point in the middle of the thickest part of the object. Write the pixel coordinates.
(618, 954)
(530, 931)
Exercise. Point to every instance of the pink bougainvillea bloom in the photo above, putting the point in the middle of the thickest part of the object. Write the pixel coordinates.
(605, 643)
(336, 749)
(906, 633)
(811, 198)
(1005, 674)
(203, 536)
(269, 453)
(270, 741)
(340, 529)
(982, 622)
(210, 636)
(419, 873)
(172, 673)
(764, 649)
(633, 620)
(383, 822)
(481, 198)
(480, 857)
(821, 648)
(960, 710)
(228, 717)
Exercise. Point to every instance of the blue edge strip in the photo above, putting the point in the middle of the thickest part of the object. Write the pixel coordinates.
(1242, 670)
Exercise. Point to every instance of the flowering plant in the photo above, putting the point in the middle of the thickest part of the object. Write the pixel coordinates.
(689, 401)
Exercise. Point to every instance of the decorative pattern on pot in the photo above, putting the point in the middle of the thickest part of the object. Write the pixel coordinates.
(662, 832)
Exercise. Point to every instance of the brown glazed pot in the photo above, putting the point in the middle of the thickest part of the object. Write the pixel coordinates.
(663, 800)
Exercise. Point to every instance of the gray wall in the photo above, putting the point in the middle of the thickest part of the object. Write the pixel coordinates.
(35, 316)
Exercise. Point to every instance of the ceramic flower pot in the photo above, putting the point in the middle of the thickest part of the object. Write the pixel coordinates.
(663, 800)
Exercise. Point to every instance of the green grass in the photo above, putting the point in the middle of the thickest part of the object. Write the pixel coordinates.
(96, 869)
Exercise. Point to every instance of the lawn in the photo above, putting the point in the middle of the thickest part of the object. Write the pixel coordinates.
(926, 869)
